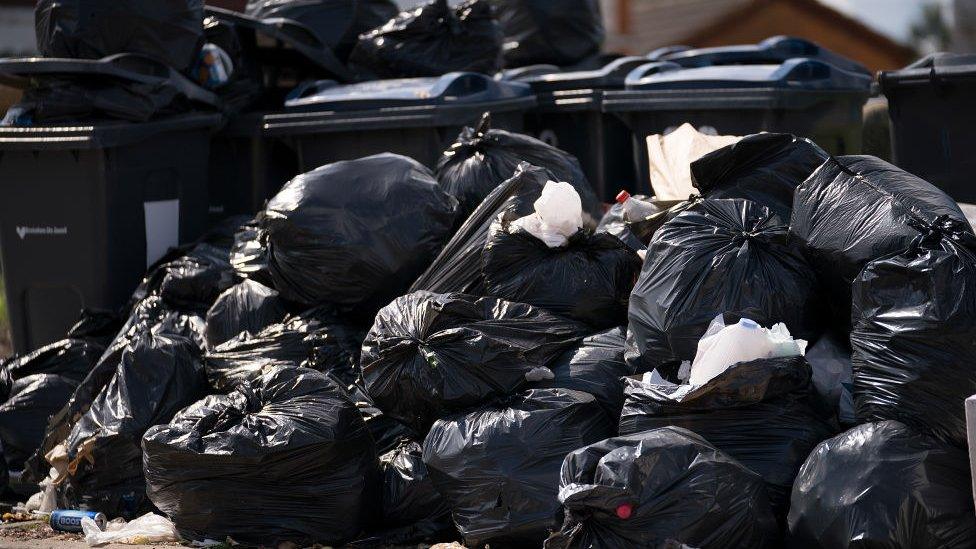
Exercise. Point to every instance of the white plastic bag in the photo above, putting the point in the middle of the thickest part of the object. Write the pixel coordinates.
(722, 346)
(558, 215)
(43, 502)
(670, 157)
(149, 528)
(833, 375)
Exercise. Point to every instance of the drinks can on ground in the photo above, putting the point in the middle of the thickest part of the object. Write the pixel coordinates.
(69, 520)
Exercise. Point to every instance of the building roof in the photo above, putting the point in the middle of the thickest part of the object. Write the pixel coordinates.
(673, 22)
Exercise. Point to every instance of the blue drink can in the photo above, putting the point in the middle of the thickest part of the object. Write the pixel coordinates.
(69, 520)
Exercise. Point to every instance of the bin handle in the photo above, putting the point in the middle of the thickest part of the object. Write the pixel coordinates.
(648, 69)
(163, 71)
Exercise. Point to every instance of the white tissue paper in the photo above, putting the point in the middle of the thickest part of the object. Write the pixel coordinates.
(147, 529)
(558, 215)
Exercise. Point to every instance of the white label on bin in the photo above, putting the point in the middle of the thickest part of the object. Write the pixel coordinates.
(162, 228)
(25, 231)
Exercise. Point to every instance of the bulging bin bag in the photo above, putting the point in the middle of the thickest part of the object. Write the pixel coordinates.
(914, 336)
(763, 413)
(288, 443)
(855, 209)
(883, 485)
(356, 233)
(168, 30)
(431, 40)
(429, 354)
(557, 32)
(662, 488)
(498, 467)
(721, 256)
(483, 158)
(247, 307)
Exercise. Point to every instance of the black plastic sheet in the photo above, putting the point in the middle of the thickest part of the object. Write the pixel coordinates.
(589, 279)
(287, 450)
(914, 336)
(168, 30)
(157, 376)
(556, 32)
(247, 307)
(883, 485)
(627, 227)
(356, 233)
(726, 256)
(316, 339)
(431, 40)
(765, 168)
(855, 209)
(498, 467)
(660, 488)
(482, 158)
(35, 386)
(430, 354)
(595, 366)
(763, 413)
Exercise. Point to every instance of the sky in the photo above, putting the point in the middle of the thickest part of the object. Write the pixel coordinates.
(892, 17)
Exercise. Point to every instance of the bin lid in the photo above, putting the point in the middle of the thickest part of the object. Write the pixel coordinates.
(611, 76)
(293, 34)
(519, 74)
(931, 69)
(101, 135)
(774, 50)
(452, 89)
(797, 73)
(125, 67)
(660, 53)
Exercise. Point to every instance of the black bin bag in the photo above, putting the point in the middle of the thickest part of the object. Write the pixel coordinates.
(431, 40)
(288, 442)
(555, 32)
(661, 488)
(626, 225)
(595, 366)
(35, 386)
(886, 485)
(316, 339)
(855, 209)
(589, 279)
(458, 267)
(157, 376)
(765, 168)
(430, 354)
(483, 158)
(914, 336)
(337, 23)
(247, 307)
(356, 233)
(717, 256)
(764, 413)
(168, 30)
(498, 467)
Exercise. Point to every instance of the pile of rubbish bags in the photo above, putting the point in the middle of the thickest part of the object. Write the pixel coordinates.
(391, 355)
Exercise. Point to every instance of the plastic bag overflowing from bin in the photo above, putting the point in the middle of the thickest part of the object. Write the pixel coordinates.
(429, 354)
(288, 450)
(589, 278)
(763, 413)
(35, 386)
(883, 485)
(666, 487)
(720, 256)
(337, 24)
(498, 467)
(101, 466)
(168, 30)
(245, 308)
(356, 233)
(914, 336)
(432, 40)
(316, 339)
(855, 209)
(482, 158)
(557, 32)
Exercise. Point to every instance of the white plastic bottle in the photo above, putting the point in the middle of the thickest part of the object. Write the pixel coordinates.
(741, 342)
